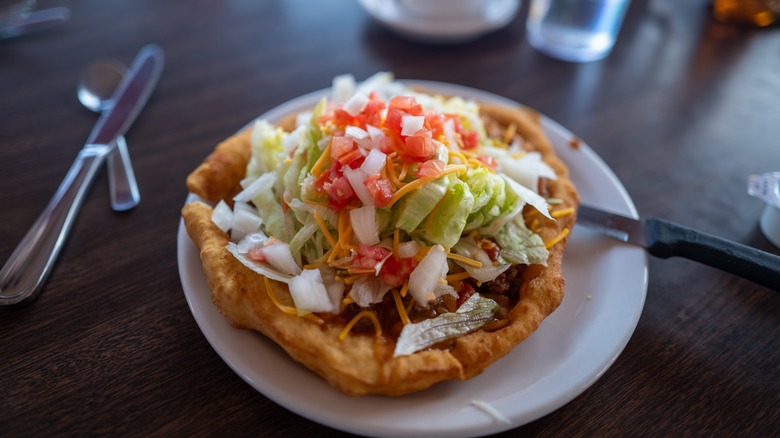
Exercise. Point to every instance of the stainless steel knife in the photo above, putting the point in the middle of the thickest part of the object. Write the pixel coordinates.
(666, 239)
(26, 270)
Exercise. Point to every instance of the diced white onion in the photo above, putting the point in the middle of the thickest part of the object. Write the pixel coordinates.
(363, 221)
(360, 136)
(356, 104)
(335, 288)
(427, 275)
(377, 136)
(367, 290)
(303, 119)
(309, 292)
(408, 249)
(324, 142)
(356, 178)
(451, 135)
(293, 139)
(260, 185)
(251, 241)
(280, 257)
(374, 162)
(245, 221)
(261, 268)
(411, 124)
(222, 216)
(343, 87)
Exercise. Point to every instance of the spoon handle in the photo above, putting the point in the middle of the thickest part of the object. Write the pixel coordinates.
(26, 270)
(122, 185)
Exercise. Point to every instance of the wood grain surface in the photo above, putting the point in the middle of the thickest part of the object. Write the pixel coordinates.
(683, 110)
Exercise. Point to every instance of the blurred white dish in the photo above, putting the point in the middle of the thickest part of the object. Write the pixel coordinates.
(425, 26)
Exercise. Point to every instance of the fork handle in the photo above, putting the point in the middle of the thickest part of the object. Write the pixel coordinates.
(26, 270)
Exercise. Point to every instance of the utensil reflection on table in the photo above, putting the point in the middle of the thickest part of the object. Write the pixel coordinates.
(17, 17)
(95, 90)
(12, 11)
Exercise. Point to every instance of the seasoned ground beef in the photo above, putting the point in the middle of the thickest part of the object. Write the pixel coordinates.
(508, 281)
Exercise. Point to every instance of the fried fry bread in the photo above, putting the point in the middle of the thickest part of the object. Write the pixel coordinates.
(363, 363)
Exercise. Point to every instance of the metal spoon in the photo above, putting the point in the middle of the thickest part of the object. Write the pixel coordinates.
(95, 89)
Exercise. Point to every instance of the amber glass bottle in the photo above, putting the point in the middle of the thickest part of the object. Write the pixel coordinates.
(753, 12)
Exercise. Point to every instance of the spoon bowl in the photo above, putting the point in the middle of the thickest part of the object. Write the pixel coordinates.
(95, 90)
(98, 82)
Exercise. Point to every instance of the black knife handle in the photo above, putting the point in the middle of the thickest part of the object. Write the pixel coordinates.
(666, 239)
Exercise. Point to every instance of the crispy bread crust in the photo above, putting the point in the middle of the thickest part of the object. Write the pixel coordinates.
(363, 364)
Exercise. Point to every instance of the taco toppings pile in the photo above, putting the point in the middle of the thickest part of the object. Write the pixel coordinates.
(386, 238)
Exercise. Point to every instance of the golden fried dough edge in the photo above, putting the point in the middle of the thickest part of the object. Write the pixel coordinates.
(240, 295)
(351, 365)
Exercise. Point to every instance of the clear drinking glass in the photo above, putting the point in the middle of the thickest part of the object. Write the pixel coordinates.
(575, 30)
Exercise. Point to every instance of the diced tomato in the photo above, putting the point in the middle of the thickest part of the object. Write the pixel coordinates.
(470, 138)
(490, 248)
(420, 146)
(386, 145)
(488, 161)
(256, 255)
(341, 117)
(465, 292)
(351, 157)
(395, 271)
(340, 146)
(381, 190)
(435, 122)
(368, 256)
(407, 104)
(430, 168)
(339, 192)
(373, 110)
(393, 120)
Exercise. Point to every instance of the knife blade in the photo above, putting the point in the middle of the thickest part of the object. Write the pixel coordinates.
(130, 96)
(25, 272)
(665, 239)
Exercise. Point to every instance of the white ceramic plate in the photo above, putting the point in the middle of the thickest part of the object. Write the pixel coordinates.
(441, 28)
(606, 284)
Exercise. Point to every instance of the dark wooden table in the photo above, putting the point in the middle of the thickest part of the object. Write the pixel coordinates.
(683, 111)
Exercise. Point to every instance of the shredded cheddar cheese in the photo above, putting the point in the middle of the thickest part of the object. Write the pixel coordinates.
(562, 212)
(364, 314)
(290, 310)
(549, 244)
(405, 288)
(464, 259)
(454, 278)
(400, 306)
(324, 230)
(317, 169)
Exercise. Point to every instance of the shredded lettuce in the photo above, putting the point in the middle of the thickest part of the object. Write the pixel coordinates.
(448, 219)
(416, 206)
(519, 245)
(471, 315)
(267, 148)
